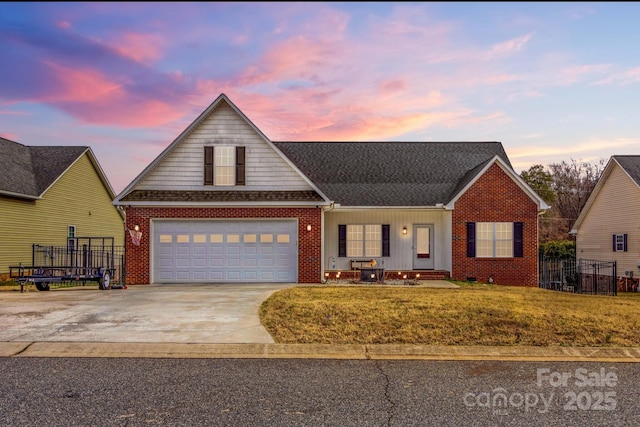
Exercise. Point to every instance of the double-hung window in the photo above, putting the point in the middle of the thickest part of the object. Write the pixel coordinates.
(494, 239)
(224, 165)
(619, 242)
(363, 240)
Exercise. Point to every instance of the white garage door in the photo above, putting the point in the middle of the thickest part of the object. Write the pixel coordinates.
(204, 251)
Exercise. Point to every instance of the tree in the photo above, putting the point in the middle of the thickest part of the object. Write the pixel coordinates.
(572, 184)
(541, 182)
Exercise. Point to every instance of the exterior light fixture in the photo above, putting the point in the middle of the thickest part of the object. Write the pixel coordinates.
(136, 227)
(404, 230)
(308, 227)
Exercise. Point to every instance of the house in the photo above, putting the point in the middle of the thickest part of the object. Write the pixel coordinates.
(50, 193)
(608, 226)
(223, 203)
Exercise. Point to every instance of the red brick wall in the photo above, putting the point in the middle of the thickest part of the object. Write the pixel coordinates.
(495, 197)
(309, 243)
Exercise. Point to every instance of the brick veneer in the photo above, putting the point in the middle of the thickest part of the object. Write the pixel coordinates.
(309, 242)
(495, 197)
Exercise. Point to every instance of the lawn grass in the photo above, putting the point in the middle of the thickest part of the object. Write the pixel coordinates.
(488, 315)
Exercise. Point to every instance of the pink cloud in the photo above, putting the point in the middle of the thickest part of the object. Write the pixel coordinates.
(509, 47)
(143, 48)
(93, 97)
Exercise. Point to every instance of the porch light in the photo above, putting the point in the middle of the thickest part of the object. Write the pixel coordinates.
(308, 227)
(404, 230)
(136, 227)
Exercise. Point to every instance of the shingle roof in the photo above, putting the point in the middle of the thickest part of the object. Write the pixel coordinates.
(390, 173)
(29, 171)
(631, 164)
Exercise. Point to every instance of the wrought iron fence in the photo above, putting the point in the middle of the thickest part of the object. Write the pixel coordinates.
(582, 276)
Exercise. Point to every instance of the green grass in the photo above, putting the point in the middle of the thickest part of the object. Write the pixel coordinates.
(488, 315)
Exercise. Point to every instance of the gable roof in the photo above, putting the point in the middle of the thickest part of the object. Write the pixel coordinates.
(628, 163)
(392, 174)
(29, 171)
(130, 194)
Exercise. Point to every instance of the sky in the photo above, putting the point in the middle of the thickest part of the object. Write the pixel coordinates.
(552, 81)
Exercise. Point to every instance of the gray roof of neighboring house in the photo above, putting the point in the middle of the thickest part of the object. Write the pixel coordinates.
(29, 171)
(631, 164)
(391, 173)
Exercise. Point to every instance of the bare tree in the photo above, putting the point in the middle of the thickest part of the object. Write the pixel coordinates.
(573, 183)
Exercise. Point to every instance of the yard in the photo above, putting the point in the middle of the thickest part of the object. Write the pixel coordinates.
(474, 314)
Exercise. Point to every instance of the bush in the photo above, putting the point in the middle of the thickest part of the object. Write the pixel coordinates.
(559, 249)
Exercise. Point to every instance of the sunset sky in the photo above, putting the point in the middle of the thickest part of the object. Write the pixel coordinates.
(552, 81)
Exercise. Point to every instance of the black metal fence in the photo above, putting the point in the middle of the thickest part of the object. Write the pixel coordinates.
(582, 276)
(82, 256)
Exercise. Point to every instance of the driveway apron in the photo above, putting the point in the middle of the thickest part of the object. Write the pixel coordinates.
(175, 313)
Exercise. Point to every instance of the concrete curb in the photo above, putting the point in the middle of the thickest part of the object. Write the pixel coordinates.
(318, 351)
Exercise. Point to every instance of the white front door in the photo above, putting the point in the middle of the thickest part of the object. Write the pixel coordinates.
(423, 247)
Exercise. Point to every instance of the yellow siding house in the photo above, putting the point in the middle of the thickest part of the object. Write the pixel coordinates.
(50, 193)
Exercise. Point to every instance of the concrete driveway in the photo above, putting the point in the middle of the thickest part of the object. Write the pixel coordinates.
(177, 313)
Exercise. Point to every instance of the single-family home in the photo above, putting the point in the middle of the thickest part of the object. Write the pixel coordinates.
(608, 226)
(49, 194)
(225, 204)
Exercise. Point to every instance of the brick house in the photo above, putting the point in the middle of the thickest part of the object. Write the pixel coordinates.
(225, 204)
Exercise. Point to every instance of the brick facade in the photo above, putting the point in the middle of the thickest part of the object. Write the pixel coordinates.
(496, 197)
(309, 242)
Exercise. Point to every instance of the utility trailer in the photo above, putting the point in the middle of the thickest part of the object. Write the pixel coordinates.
(84, 259)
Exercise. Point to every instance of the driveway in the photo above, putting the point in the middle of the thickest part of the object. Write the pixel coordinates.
(144, 313)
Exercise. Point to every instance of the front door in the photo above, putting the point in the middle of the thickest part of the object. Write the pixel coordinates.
(423, 247)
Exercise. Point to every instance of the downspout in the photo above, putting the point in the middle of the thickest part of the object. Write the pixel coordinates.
(322, 252)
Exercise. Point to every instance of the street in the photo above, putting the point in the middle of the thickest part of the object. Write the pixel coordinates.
(314, 392)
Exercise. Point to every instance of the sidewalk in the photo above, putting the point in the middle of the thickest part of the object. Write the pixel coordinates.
(317, 351)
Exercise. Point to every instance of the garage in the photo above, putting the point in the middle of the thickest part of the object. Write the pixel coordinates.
(235, 251)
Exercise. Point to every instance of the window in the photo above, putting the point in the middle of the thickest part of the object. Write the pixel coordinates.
(368, 240)
(71, 237)
(494, 239)
(620, 243)
(224, 166)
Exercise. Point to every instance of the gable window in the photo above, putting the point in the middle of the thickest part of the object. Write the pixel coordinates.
(494, 239)
(620, 243)
(363, 240)
(224, 166)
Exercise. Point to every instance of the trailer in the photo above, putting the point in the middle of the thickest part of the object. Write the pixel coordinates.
(83, 259)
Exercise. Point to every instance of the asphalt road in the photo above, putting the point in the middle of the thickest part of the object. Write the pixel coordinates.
(312, 392)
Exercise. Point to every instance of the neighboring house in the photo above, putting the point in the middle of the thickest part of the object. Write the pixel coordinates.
(223, 203)
(48, 194)
(608, 227)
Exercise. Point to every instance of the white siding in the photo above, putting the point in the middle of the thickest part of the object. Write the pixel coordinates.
(401, 246)
(182, 168)
(616, 210)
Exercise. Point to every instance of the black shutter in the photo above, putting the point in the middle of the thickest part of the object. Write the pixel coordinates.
(625, 242)
(342, 240)
(615, 247)
(386, 247)
(518, 247)
(471, 239)
(208, 165)
(240, 172)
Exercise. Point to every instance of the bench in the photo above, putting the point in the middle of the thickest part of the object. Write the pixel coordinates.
(359, 264)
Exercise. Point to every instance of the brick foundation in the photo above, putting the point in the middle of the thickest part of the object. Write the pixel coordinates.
(309, 242)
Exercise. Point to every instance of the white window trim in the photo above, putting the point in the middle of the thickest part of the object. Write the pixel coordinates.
(494, 240)
(363, 241)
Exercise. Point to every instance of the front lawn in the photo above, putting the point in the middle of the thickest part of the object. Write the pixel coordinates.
(478, 314)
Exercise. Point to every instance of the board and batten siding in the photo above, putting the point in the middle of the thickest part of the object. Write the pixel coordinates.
(401, 246)
(182, 168)
(616, 210)
(78, 198)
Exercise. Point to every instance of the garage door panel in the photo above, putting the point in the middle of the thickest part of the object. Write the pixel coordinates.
(225, 250)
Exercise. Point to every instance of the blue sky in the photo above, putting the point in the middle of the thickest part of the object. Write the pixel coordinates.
(552, 81)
